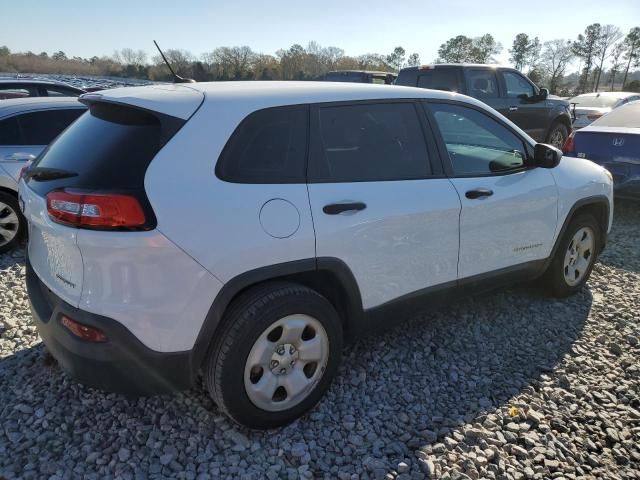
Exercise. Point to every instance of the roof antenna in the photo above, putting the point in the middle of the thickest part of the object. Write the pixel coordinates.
(176, 78)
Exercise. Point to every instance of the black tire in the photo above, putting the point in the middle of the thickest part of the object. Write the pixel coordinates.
(244, 322)
(554, 277)
(557, 135)
(19, 228)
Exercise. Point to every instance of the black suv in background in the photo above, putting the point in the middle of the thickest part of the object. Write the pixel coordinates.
(545, 118)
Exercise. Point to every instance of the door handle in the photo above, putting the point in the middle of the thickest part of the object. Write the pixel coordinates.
(478, 192)
(513, 109)
(336, 208)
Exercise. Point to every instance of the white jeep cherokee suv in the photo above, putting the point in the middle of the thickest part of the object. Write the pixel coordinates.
(247, 229)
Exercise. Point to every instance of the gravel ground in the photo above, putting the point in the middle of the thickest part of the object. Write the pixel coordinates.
(508, 385)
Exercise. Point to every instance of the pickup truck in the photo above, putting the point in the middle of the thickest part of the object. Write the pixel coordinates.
(544, 117)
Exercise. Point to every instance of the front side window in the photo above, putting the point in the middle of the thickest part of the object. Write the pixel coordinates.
(369, 142)
(60, 92)
(483, 83)
(269, 146)
(517, 85)
(40, 128)
(477, 144)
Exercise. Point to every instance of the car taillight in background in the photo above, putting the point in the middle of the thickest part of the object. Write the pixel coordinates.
(569, 144)
(103, 211)
(84, 332)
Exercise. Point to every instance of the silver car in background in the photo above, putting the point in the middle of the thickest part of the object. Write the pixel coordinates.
(27, 126)
(592, 106)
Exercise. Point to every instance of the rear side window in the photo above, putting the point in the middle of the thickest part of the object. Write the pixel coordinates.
(483, 83)
(369, 142)
(10, 133)
(40, 128)
(108, 148)
(36, 128)
(269, 146)
(440, 79)
(60, 92)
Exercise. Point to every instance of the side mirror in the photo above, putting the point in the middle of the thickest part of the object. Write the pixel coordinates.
(544, 93)
(546, 156)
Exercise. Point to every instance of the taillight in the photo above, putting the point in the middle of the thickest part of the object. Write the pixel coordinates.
(569, 144)
(95, 210)
(85, 332)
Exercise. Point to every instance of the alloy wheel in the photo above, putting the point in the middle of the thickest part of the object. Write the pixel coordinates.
(286, 362)
(579, 256)
(9, 224)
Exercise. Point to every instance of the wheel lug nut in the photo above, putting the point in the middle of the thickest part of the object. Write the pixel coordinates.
(283, 371)
(274, 363)
(280, 350)
(291, 349)
(293, 362)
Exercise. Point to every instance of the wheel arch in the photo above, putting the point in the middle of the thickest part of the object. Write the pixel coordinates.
(598, 206)
(562, 118)
(329, 276)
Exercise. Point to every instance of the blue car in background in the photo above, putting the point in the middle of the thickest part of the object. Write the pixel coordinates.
(613, 141)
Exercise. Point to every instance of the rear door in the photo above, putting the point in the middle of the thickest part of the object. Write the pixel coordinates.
(483, 84)
(379, 200)
(508, 211)
(24, 136)
(522, 108)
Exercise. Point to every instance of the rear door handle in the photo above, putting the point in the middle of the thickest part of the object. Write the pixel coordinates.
(336, 208)
(513, 109)
(478, 192)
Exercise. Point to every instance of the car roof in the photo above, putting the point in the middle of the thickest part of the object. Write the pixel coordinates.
(433, 65)
(607, 94)
(181, 100)
(17, 105)
(627, 116)
(30, 81)
(373, 72)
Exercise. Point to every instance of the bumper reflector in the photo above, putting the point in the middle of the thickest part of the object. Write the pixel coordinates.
(85, 332)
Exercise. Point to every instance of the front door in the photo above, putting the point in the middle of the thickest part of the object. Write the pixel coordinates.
(523, 107)
(375, 199)
(508, 210)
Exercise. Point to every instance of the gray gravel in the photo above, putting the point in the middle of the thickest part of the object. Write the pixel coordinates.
(510, 385)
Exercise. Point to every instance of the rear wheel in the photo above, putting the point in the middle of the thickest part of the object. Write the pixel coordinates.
(572, 264)
(12, 223)
(557, 135)
(276, 354)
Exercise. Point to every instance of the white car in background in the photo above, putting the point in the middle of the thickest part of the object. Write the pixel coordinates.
(27, 126)
(592, 106)
(246, 229)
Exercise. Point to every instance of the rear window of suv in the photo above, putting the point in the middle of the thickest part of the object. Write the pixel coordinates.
(107, 148)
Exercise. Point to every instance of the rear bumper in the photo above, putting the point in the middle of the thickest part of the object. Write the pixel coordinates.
(121, 364)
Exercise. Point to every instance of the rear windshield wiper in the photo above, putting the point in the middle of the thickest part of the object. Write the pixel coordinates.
(44, 173)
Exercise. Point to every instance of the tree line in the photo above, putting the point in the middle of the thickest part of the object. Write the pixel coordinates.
(603, 55)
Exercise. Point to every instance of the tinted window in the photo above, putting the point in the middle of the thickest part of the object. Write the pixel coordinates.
(369, 142)
(517, 85)
(440, 79)
(483, 83)
(10, 92)
(40, 128)
(10, 133)
(108, 148)
(269, 146)
(477, 143)
(60, 92)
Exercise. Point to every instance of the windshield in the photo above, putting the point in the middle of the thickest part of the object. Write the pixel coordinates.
(626, 116)
(596, 101)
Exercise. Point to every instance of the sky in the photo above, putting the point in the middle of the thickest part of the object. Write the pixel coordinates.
(85, 28)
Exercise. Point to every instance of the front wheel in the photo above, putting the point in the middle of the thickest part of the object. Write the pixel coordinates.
(558, 135)
(12, 223)
(277, 352)
(574, 259)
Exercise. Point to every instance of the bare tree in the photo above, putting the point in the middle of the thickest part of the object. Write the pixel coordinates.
(632, 51)
(556, 57)
(128, 56)
(609, 35)
(616, 63)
